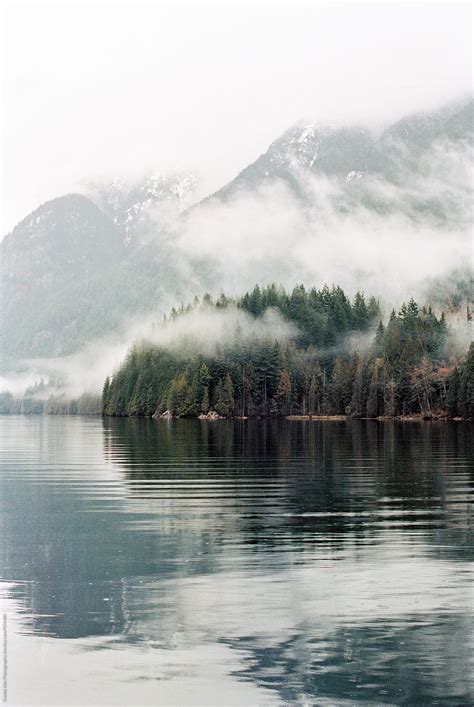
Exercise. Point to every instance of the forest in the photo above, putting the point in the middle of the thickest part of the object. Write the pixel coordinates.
(46, 398)
(342, 360)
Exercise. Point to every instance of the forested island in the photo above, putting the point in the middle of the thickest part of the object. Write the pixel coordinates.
(342, 360)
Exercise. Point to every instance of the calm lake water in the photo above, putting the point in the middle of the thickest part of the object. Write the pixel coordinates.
(186, 562)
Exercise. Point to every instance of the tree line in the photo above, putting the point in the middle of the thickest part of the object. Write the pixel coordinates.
(403, 367)
(39, 399)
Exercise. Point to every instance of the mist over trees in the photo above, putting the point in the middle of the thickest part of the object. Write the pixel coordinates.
(343, 360)
(38, 400)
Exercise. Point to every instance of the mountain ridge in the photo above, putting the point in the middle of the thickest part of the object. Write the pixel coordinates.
(300, 146)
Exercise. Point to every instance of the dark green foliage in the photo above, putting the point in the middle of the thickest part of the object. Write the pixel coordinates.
(466, 386)
(282, 400)
(321, 316)
(404, 369)
(224, 401)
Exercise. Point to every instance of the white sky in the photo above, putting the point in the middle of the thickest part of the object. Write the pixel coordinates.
(115, 89)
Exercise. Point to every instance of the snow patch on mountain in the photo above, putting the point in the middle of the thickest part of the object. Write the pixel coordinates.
(354, 174)
(299, 147)
(129, 204)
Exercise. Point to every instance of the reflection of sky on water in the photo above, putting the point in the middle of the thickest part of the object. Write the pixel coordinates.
(169, 561)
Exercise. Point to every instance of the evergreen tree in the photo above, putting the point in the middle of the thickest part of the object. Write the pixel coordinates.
(224, 397)
(357, 406)
(341, 387)
(105, 396)
(452, 398)
(375, 400)
(205, 400)
(178, 398)
(466, 386)
(282, 401)
(422, 383)
(360, 313)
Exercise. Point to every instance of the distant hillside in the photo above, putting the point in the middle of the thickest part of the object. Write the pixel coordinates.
(72, 271)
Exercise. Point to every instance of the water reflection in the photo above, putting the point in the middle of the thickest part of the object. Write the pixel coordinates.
(325, 561)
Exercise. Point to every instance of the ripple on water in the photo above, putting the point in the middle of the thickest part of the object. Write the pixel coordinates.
(247, 562)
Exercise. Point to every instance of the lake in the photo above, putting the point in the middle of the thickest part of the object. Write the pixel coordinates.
(247, 562)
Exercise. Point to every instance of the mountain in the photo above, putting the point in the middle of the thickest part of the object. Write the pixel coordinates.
(50, 267)
(73, 269)
(78, 266)
(306, 147)
(354, 156)
(130, 205)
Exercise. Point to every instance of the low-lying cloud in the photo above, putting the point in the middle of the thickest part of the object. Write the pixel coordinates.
(370, 234)
(199, 330)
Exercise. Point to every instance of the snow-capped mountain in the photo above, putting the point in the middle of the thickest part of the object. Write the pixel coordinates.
(51, 264)
(70, 230)
(133, 206)
(72, 271)
(352, 154)
(307, 147)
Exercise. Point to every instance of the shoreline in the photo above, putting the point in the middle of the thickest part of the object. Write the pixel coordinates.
(418, 417)
(441, 417)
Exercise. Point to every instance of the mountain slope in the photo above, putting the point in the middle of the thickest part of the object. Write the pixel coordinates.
(306, 147)
(131, 205)
(71, 274)
(50, 263)
(352, 154)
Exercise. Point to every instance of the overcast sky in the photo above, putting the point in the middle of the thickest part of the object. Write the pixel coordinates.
(116, 89)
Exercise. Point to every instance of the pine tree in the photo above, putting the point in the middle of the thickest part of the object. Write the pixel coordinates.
(224, 398)
(390, 397)
(341, 387)
(105, 396)
(358, 387)
(466, 386)
(376, 390)
(281, 403)
(453, 394)
(178, 398)
(360, 314)
(205, 400)
(379, 340)
(422, 383)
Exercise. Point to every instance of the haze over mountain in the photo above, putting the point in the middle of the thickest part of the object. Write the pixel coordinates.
(135, 206)
(322, 204)
(73, 270)
(346, 205)
(356, 155)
